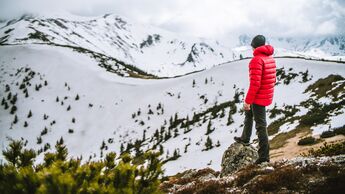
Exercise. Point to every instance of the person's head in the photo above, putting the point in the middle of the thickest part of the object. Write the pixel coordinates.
(258, 40)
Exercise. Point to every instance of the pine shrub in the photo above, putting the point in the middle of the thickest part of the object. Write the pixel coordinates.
(15, 120)
(29, 114)
(44, 131)
(327, 134)
(307, 141)
(57, 174)
(339, 130)
(328, 150)
(13, 109)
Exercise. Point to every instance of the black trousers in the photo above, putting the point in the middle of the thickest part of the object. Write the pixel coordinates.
(258, 113)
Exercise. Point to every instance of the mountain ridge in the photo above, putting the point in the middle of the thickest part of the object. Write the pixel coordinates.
(117, 38)
(154, 50)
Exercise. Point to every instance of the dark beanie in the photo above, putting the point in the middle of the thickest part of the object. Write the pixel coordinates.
(258, 40)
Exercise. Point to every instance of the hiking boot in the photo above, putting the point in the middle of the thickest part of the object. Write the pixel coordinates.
(260, 161)
(239, 140)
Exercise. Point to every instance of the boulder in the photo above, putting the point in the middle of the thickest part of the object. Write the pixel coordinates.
(237, 156)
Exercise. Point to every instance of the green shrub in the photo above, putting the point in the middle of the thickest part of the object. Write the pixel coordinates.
(313, 117)
(327, 134)
(339, 130)
(307, 141)
(57, 174)
(333, 132)
(328, 150)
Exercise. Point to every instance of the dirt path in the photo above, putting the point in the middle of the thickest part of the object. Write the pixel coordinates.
(291, 149)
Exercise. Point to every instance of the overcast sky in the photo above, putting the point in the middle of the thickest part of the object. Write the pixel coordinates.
(205, 18)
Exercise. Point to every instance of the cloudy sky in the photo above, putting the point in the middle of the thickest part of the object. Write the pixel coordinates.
(205, 18)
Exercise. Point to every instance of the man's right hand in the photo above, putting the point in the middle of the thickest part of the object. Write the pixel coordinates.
(246, 106)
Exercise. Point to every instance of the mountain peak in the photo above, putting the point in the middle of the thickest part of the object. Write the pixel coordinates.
(244, 40)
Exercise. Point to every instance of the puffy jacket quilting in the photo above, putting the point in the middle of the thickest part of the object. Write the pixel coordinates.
(262, 76)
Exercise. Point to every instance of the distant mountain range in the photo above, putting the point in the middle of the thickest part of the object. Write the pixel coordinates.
(151, 49)
(327, 47)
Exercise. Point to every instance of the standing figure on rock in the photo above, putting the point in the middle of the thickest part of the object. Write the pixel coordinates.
(262, 75)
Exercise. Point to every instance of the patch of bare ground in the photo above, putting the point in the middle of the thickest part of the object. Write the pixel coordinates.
(291, 150)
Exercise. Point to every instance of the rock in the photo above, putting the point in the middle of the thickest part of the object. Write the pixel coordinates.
(207, 177)
(237, 156)
(298, 175)
(201, 174)
(188, 179)
(268, 169)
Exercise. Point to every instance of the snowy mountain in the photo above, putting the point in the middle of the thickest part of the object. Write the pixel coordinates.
(325, 47)
(98, 84)
(150, 49)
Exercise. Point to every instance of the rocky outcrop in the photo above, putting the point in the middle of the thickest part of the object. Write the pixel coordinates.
(299, 175)
(237, 156)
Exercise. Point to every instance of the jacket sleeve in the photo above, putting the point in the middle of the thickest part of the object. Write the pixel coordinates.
(255, 74)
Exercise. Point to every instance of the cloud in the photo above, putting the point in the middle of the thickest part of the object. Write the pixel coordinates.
(206, 18)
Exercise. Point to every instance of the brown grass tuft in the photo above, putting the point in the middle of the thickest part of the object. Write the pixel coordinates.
(286, 176)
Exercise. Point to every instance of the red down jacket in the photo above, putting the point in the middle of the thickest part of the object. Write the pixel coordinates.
(262, 75)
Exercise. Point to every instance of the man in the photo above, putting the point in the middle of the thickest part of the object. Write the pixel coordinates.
(262, 75)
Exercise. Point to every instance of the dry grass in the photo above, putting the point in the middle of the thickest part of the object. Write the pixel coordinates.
(286, 176)
(246, 174)
(137, 75)
(281, 139)
(207, 187)
(182, 179)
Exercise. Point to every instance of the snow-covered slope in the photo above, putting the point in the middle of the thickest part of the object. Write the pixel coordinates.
(59, 92)
(88, 80)
(151, 49)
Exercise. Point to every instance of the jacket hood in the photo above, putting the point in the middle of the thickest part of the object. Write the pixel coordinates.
(265, 50)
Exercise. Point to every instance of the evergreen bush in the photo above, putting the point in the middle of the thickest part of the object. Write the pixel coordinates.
(327, 134)
(339, 130)
(58, 174)
(307, 141)
(328, 150)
